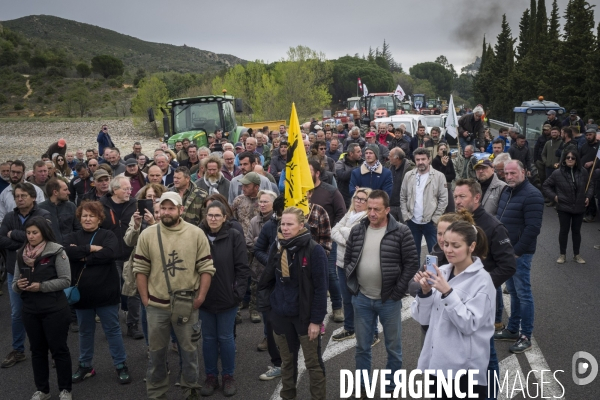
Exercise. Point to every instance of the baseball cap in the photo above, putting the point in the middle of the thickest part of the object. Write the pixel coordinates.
(551, 112)
(250, 177)
(239, 144)
(318, 127)
(131, 161)
(100, 173)
(547, 126)
(591, 128)
(175, 198)
(483, 163)
(573, 112)
(62, 142)
(211, 135)
(370, 134)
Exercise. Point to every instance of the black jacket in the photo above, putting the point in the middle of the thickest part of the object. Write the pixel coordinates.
(277, 165)
(569, 186)
(266, 238)
(398, 258)
(230, 258)
(12, 223)
(397, 178)
(78, 188)
(343, 173)
(447, 170)
(118, 224)
(522, 154)
(62, 216)
(588, 153)
(467, 123)
(539, 147)
(100, 283)
(403, 143)
(500, 261)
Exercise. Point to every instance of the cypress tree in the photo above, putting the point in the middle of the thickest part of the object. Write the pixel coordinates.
(532, 20)
(523, 46)
(502, 68)
(592, 109)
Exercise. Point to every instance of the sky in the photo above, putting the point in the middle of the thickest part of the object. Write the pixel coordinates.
(417, 31)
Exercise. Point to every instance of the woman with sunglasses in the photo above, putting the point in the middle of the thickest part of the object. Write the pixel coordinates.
(567, 187)
(62, 167)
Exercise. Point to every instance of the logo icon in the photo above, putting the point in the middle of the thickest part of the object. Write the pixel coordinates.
(584, 363)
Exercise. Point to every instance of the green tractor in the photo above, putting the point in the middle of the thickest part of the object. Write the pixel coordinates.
(196, 117)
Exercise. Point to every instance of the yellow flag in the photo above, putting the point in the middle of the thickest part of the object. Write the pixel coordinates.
(298, 180)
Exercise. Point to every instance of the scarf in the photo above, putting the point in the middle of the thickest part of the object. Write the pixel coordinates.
(355, 216)
(212, 186)
(30, 254)
(374, 167)
(292, 245)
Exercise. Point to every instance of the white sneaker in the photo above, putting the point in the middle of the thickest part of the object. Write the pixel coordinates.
(65, 395)
(40, 396)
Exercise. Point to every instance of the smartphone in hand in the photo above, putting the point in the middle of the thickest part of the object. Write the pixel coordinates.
(26, 273)
(143, 205)
(430, 261)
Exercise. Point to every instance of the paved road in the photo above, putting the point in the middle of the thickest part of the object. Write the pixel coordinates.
(567, 320)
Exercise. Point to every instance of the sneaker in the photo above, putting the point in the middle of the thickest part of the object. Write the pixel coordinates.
(272, 373)
(229, 388)
(375, 340)
(561, 259)
(322, 329)
(82, 373)
(211, 383)
(12, 358)
(97, 318)
(578, 259)
(506, 335)
(123, 373)
(263, 345)
(338, 315)
(178, 381)
(238, 318)
(344, 335)
(521, 345)
(193, 395)
(40, 396)
(255, 317)
(589, 218)
(65, 395)
(134, 332)
(243, 305)
(74, 327)
(498, 326)
(505, 290)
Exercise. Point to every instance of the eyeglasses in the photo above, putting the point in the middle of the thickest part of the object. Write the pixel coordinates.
(360, 199)
(570, 158)
(126, 189)
(322, 148)
(21, 196)
(214, 216)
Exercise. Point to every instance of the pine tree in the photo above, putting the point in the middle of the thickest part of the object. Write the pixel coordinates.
(541, 22)
(524, 36)
(532, 20)
(592, 109)
(578, 44)
(502, 68)
(554, 30)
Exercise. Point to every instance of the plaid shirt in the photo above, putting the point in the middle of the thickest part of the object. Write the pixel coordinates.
(320, 228)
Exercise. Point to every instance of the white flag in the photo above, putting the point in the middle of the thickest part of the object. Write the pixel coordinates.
(452, 120)
(365, 91)
(399, 93)
(598, 153)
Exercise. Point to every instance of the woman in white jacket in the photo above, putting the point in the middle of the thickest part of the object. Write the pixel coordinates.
(339, 233)
(459, 305)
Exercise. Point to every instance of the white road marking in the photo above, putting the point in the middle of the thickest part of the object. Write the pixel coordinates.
(510, 364)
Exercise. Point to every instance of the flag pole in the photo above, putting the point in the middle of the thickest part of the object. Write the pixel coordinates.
(591, 173)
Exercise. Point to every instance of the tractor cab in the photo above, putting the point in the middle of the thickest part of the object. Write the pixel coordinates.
(531, 115)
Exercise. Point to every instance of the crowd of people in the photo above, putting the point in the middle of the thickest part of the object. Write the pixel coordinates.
(184, 239)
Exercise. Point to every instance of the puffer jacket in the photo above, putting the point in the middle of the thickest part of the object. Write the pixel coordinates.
(343, 172)
(398, 263)
(521, 210)
(522, 154)
(340, 232)
(230, 259)
(435, 196)
(568, 184)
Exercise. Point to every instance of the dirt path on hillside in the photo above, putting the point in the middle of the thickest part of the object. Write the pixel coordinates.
(29, 90)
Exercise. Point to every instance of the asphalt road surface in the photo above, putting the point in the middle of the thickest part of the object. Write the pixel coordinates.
(567, 320)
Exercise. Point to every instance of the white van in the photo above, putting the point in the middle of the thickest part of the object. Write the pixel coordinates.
(411, 121)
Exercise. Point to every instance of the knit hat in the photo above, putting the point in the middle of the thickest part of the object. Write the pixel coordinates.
(374, 148)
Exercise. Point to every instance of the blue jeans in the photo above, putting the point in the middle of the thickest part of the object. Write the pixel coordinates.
(347, 300)
(217, 337)
(366, 312)
(493, 368)
(521, 297)
(499, 305)
(418, 231)
(109, 319)
(16, 309)
(334, 284)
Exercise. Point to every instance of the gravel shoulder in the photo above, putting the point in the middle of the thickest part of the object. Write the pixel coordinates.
(27, 141)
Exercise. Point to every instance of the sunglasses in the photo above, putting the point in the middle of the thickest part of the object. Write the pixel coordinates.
(570, 158)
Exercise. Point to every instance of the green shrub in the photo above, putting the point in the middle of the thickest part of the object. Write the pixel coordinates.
(96, 85)
(50, 91)
(46, 101)
(115, 83)
(3, 99)
(40, 99)
(19, 107)
(106, 97)
(61, 98)
(55, 71)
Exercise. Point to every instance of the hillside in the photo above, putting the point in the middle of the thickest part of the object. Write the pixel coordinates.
(84, 41)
